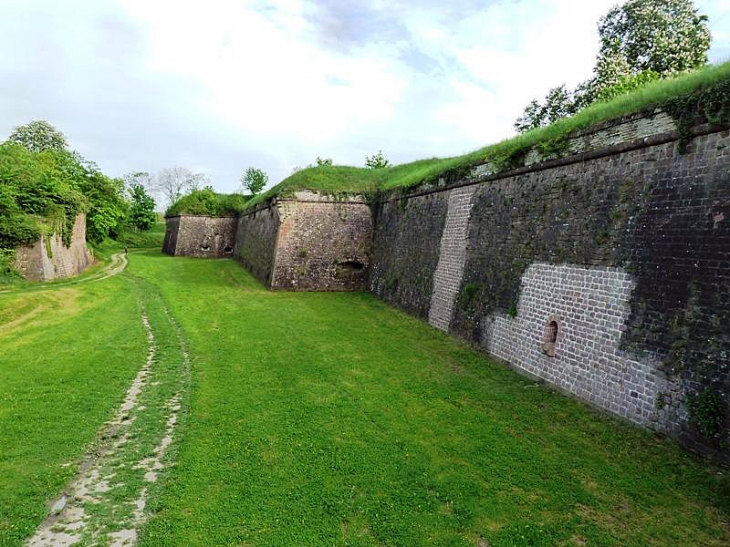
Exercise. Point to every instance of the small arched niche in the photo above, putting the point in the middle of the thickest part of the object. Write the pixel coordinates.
(551, 335)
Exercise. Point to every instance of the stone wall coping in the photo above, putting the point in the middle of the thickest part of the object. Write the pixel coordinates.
(306, 197)
(649, 113)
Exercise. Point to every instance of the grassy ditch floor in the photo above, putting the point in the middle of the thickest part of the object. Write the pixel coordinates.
(66, 358)
(309, 420)
(332, 419)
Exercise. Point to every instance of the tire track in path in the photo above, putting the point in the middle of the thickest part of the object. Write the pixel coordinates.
(105, 504)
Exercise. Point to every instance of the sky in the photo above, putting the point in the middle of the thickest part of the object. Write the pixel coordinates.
(220, 85)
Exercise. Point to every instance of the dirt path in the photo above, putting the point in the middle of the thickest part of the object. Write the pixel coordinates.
(117, 265)
(105, 503)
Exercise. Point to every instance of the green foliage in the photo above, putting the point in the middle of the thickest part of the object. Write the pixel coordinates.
(323, 161)
(7, 261)
(627, 84)
(142, 208)
(151, 239)
(43, 191)
(641, 41)
(707, 411)
(559, 103)
(208, 202)
(376, 161)
(35, 186)
(708, 105)
(108, 209)
(468, 294)
(38, 136)
(664, 37)
(255, 179)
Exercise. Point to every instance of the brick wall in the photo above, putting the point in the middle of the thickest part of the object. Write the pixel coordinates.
(452, 256)
(644, 223)
(308, 242)
(49, 258)
(590, 306)
(200, 236)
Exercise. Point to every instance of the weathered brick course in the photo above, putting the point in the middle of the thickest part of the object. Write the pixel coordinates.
(452, 257)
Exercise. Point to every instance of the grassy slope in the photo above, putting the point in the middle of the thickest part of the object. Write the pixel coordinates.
(341, 179)
(331, 419)
(151, 239)
(67, 358)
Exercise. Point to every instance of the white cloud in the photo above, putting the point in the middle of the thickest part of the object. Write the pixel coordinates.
(222, 84)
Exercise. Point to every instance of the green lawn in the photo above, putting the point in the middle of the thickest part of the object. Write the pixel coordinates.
(331, 419)
(67, 356)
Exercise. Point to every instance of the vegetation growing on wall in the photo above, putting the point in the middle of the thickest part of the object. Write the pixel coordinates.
(711, 82)
(35, 188)
(44, 186)
(208, 202)
(706, 410)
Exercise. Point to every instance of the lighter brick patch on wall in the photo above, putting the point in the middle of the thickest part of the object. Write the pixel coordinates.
(447, 277)
(592, 306)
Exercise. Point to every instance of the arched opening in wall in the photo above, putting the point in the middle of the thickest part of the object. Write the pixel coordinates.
(228, 249)
(205, 248)
(352, 265)
(347, 269)
(551, 336)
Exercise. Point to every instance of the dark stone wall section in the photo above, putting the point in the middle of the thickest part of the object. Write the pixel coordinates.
(172, 227)
(406, 246)
(660, 215)
(256, 239)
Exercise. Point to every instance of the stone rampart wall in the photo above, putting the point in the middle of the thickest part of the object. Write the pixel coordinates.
(256, 238)
(49, 258)
(626, 249)
(323, 244)
(200, 236)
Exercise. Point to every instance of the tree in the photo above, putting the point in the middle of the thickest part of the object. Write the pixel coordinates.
(559, 103)
(173, 182)
(664, 36)
(139, 177)
(321, 162)
(641, 41)
(38, 136)
(376, 161)
(254, 180)
(142, 208)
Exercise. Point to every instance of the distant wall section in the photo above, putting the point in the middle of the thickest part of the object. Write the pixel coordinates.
(256, 238)
(200, 236)
(49, 258)
(323, 244)
(309, 242)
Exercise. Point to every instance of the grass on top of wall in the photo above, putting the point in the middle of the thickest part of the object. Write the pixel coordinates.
(358, 180)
